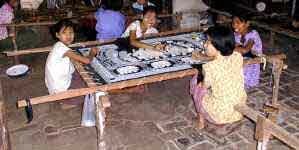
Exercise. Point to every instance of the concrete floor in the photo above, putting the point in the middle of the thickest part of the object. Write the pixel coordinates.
(159, 119)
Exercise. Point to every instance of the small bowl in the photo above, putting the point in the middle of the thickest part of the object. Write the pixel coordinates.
(17, 70)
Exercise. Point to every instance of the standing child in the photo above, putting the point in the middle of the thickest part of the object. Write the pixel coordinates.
(59, 68)
(6, 17)
(223, 84)
(249, 44)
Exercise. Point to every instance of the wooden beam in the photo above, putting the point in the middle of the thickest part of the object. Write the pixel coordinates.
(275, 29)
(47, 23)
(108, 87)
(25, 24)
(275, 130)
(220, 12)
(27, 51)
(49, 48)
(97, 43)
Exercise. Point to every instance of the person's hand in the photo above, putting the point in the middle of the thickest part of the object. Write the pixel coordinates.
(156, 54)
(197, 55)
(199, 84)
(94, 51)
(160, 47)
(249, 44)
(202, 57)
(295, 24)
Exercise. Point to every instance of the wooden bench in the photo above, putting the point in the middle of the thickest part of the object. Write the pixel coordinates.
(266, 126)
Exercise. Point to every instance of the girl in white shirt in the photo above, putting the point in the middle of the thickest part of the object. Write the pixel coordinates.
(138, 29)
(59, 68)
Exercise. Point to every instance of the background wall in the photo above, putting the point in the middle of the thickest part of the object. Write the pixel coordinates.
(187, 5)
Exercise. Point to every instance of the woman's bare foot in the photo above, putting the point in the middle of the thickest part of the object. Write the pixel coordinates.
(201, 122)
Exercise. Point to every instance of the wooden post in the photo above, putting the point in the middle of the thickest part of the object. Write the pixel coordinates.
(100, 120)
(293, 8)
(272, 108)
(4, 139)
(4, 136)
(261, 133)
(272, 112)
(178, 18)
(16, 58)
(272, 38)
(277, 69)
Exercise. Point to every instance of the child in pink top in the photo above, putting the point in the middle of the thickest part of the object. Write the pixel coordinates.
(6, 16)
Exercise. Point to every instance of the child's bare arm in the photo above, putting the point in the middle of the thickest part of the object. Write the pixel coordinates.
(136, 43)
(206, 79)
(245, 49)
(93, 52)
(200, 56)
(79, 58)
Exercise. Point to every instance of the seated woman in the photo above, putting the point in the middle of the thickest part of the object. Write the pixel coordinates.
(110, 21)
(138, 29)
(222, 87)
(249, 44)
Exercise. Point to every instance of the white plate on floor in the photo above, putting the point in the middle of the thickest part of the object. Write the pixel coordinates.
(17, 70)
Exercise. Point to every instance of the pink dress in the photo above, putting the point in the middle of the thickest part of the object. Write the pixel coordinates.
(6, 17)
(252, 71)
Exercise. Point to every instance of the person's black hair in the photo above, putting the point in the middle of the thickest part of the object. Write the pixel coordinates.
(149, 9)
(2, 2)
(115, 5)
(64, 23)
(222, 38)
(200, 76)
(244, 17)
